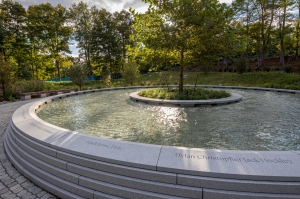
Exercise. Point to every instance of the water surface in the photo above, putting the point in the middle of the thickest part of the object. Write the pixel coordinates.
(261, 121)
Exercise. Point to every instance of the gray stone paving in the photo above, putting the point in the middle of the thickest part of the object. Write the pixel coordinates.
(12, 184)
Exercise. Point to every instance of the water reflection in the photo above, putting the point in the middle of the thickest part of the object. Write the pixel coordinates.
(261, 121)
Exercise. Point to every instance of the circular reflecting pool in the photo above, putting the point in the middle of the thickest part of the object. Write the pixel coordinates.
(261, 121)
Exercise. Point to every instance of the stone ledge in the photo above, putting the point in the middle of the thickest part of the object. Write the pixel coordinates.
(219, 173)
(186, 103)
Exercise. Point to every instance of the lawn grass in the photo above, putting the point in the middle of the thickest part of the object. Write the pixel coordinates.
(251, 79)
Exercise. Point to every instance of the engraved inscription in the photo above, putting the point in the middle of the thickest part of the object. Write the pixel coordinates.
(45, 130)
(108, 146)
(233, 159)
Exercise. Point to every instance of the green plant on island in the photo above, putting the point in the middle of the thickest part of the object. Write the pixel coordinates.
(187, 94)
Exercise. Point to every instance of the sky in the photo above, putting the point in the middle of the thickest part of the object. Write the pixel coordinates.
(109, 5)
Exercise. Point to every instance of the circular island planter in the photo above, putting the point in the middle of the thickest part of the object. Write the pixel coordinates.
(74, 165)
(186, 103)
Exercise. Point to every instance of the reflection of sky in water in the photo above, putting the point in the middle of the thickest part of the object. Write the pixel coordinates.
(261, 121)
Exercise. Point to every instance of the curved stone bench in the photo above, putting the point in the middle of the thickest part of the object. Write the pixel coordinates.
(74, 165)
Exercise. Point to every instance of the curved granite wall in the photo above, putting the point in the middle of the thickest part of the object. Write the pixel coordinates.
(73, 165)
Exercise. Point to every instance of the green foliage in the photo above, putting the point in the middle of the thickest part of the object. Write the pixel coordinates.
(25, 86)
(52, 35)
(24, 72)
(288, 69)
(188, 94)
(241, 65)
(171, 35)
(130, 72)
(78, 72)
(106, 74)
(267, 69)
(7, 94)
(6, 76)
(12, 30)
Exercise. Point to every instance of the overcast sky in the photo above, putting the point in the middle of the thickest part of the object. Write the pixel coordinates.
(109, 5)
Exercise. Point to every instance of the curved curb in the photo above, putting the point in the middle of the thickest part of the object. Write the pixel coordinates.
(186, 103)
(75, 165)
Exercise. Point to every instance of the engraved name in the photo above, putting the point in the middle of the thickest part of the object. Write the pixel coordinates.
(108, 146)
(232, 159)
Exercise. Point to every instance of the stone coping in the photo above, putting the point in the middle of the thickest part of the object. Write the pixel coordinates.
(186, 103)
(234, 164)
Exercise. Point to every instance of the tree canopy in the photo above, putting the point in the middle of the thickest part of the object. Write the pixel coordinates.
(172, 33)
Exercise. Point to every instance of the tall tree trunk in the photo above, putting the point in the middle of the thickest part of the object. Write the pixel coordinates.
(297, 30)
(181, 70)
(57, 63)
(87, 58)
(297, 37)
(282, 36)
(263, 55)
(262, 34)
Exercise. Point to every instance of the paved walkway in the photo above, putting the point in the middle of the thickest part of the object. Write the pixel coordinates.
(12, 184)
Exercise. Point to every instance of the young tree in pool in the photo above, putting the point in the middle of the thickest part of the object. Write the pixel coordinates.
(163, 27)
(182, 26)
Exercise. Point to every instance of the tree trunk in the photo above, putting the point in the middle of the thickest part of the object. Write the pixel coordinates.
(57, 63)
(282, 63)
(181, 71)
(262, 61)
(196, 81)
(87, 59)
(297, 37)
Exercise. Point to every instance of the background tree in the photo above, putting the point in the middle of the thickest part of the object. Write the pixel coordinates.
(241, 64)
(50, 31)
(12, 31)
(77, 73)
(106, 74)
(284, 17)
(6, 76)
(123, 24)
(80, 17)
(110, 36)
(130, 72)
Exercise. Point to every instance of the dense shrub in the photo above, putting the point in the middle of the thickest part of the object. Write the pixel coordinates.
(6, 77)
(267, 69)
(187, 94)
(7, 94)
(241, 65)
(288, 69)
(130, 72)
(106, 74)
(78, 72)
